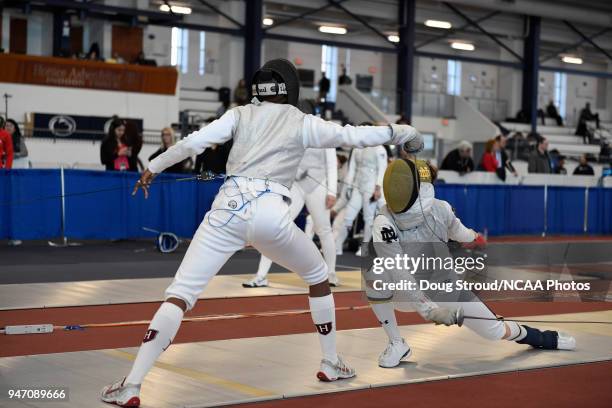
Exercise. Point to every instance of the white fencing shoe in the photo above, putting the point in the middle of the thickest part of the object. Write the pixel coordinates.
(332, 372)
(565, 341)
(255, 283)
(395, 352)
(124, 395)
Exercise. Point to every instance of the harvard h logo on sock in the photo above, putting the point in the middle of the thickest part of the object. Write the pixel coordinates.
(324, 328)
(150, 335)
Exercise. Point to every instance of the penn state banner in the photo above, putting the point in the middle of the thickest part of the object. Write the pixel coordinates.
(56, 125)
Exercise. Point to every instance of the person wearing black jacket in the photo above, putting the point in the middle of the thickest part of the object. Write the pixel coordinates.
(584, 168)
(119, 151)
(459, 159)
(503, 159)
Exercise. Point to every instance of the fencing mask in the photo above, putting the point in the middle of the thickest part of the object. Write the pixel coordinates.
(402, 182)
(277, 77)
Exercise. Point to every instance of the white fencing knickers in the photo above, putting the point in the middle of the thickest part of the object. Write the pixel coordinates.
(354, 204)
(315, 203)
(246, 212)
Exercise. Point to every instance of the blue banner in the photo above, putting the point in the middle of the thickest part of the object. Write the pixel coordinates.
(99, 205)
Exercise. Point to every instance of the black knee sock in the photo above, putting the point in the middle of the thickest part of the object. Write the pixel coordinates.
(540, 339)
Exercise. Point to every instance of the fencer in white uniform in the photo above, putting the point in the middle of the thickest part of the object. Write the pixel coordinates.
(270, 136)
(414, 215)
(314, 186)
(364, 180)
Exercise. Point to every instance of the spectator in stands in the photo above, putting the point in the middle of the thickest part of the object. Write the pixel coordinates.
(584, 168)
(6, 147)
(503, 161)
(115, 152)
(134, 139)
(344, 79)
(560, 165)
(241, 93)
(324, 85)
(539, 160)
(551, 111)
(225, 105)
(489, 162)
(20, 151)
(582, 129)
(459, 159)
(94, 52)
(167, 140)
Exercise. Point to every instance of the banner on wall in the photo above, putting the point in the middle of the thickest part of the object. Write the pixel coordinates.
(57, 125)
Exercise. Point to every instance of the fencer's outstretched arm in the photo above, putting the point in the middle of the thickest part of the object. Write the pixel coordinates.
(319, 133)
(456, 230)
(217, 132)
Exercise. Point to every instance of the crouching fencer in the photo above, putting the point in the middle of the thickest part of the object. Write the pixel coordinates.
(412, 217)
(364, 184)
(270, 136)
(314, 186)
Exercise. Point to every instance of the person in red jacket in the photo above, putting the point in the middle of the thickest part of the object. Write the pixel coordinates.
(489, 161)
(6, 148)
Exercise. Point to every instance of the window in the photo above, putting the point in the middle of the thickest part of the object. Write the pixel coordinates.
(202, 64)
(179, 48)
(560, 92)
(329, 65)
(453, 82)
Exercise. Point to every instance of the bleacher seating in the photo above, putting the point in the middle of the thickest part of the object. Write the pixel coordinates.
(561, 138)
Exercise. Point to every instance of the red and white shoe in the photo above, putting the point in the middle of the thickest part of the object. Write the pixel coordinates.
(332, 372)
(124, 395)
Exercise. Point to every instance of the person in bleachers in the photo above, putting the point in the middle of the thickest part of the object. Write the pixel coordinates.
(6, 147)
(582, 129)
(489, 162)
(94, 52)
(539, 160)
(584, 168)
(459, 159)
(241, 93)
(344, 79)
(551, 111)
(20, 151)
(560, 165)
(116, 152)
(503, 161)
(324, 85)
(167, 140)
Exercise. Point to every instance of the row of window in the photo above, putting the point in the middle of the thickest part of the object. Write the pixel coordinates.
(329, 64)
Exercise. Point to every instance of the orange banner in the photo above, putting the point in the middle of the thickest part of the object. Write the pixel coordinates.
(27, 69)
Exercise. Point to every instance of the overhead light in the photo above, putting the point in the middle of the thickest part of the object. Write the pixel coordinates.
(570, 59)
(438, 24)
(175, 9)
(463, 46)
(332, 30)
(268, 21)
(393, 38)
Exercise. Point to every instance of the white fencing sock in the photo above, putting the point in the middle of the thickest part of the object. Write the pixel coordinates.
(323, 311)
(385, 313)
(265, 264)
(158, 338)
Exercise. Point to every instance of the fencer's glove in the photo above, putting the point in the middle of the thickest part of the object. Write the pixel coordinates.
(407, 136)
(446, 316)
(480, 242)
